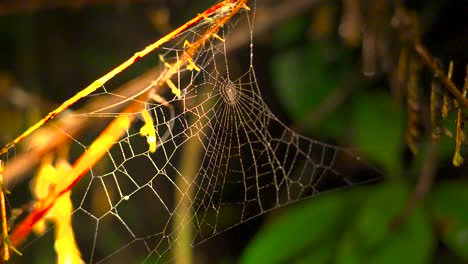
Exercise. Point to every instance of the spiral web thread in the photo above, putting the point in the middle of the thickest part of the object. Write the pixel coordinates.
(134, 203)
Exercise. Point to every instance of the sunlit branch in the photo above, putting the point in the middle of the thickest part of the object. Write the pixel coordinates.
(137, 56)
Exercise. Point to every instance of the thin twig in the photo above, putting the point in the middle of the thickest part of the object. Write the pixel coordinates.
(430, 62)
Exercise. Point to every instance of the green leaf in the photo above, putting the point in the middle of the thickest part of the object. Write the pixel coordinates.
(413, 243)
(448, 204)
(292, 234)
(322, 254)
(371, 238)
(379, 130)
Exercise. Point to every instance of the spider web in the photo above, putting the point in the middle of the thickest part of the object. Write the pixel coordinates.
(245, 162)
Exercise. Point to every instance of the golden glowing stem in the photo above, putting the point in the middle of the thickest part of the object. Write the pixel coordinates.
(6, 251)
(460, 136)
(137, 56)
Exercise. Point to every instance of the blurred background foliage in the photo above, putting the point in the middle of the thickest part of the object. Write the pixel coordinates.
(311, 72)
